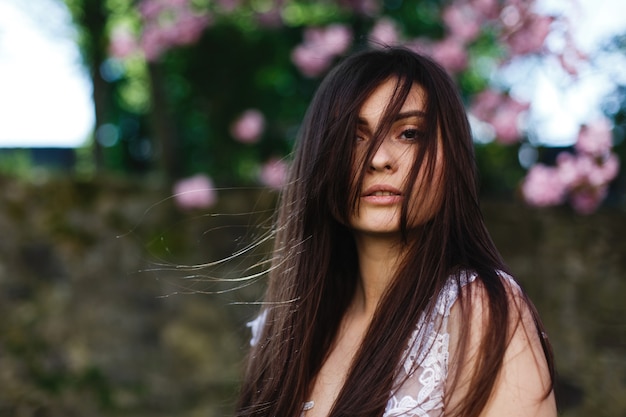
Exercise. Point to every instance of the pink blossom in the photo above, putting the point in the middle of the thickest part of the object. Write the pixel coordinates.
(152, 43)
(195, 192)
(511, 16)
(596, 172)
(567, 63)
(336, 39)
(587, 200)
(248, 127)
(595, 138)
(189, 28)
(502, 112)
(586, 178)
(320, 46)
(529, 36)
(177, 4)
(505, 123)
(228, 5)
(451, 54)
(150, 9)
(610, 167)
(590, 171)
(271, 18)
(462, 21)
(169, 23)
(543, 187)
(485, 103)
(567, 167)
(487, 8)
(384, 32)
(420, 45)
(309, 61)
(274, 173)
(122, 43)
(570, 57)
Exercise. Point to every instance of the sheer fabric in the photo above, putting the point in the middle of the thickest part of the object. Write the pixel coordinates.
(421, 378)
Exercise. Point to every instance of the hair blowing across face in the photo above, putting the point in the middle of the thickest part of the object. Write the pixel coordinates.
(314, 268)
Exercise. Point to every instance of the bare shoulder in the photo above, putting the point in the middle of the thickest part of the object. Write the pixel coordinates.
(522, 386)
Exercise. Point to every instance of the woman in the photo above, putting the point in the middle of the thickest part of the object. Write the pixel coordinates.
(386, 294)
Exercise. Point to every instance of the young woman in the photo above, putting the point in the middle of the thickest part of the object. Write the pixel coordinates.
(386, 294)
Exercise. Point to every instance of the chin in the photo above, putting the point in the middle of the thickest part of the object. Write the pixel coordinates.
(377, 226)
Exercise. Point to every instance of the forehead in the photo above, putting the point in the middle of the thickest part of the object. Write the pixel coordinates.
(375, 105)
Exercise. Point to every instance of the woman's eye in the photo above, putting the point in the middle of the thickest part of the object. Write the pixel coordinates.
(410, 134)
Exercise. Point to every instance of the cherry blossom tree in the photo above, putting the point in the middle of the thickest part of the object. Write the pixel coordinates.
(230, 79)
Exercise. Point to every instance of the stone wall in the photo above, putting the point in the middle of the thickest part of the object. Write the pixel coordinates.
(102, 317)
(574, 268)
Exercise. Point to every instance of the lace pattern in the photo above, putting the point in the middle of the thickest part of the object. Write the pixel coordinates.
(420, 382)
(256, 326)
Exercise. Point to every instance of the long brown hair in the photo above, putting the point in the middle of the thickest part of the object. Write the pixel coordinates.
(314, 269)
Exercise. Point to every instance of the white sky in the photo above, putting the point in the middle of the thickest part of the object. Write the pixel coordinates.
(560, 105)
(45, 95)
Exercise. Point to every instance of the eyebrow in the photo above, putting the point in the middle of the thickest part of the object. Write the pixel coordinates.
(399, 116)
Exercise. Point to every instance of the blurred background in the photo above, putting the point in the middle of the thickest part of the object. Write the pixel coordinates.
(143, 144)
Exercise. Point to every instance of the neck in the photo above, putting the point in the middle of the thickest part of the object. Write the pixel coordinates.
(379, 258)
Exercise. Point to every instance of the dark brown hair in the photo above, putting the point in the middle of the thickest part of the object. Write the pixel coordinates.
(314, 270)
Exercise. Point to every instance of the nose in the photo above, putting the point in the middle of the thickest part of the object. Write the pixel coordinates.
(384, 158)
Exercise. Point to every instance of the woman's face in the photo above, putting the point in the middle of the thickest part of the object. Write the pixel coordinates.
(384, 183)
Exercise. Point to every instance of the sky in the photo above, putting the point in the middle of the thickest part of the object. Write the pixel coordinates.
(45, 94)
(560, 105)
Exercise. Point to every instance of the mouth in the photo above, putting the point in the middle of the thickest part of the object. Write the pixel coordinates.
(382, 191)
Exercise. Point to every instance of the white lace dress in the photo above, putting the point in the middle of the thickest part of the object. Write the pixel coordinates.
(418, 391)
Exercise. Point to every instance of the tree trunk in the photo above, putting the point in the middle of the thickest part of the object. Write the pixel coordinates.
(163, 127)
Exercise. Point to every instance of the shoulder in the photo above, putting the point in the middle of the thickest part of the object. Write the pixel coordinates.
(523, 378)
(469, 295)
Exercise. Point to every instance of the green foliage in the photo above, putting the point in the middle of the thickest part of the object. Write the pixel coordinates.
(417, 17)
(312, 13)
(174, 110)
(499, 168)
(16, 163)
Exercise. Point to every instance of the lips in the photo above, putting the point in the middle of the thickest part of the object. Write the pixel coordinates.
(381, 190)
(382, 194)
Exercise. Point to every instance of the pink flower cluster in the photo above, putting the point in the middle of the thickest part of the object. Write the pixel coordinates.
(503, 113)
(464, 20)
(248, 127)
(321, 45)
(523, 30)
(197, 192)
(581, 178)
(384, 33)
(274, 173)
(123, 42)
(516, 24)
(169, 23)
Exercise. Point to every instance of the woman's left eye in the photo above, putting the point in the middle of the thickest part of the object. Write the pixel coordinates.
(410, 134)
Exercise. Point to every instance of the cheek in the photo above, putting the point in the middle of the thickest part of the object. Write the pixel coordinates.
(427, 199)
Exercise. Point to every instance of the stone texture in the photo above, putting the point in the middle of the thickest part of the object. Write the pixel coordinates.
(107, 309)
